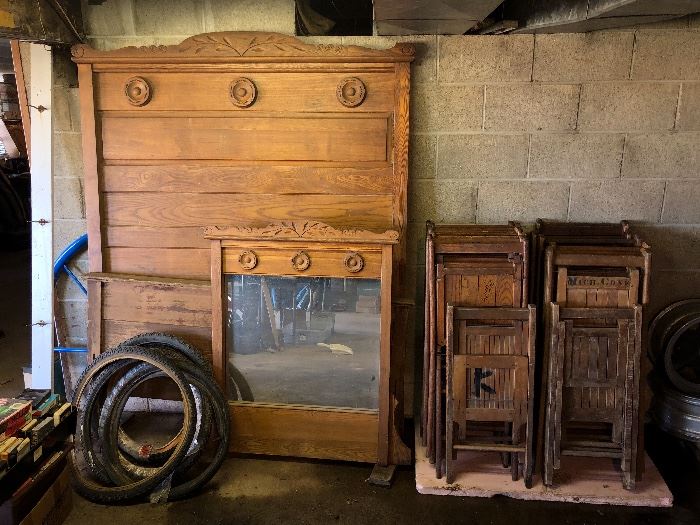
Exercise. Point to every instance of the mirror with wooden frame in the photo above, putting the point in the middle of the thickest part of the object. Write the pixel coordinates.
(301, 339)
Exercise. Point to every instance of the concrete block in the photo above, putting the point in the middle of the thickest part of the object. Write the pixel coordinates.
(670, 286)
(61, 110)
(67, 154)
(667, 55)
(530, 107)
(171, 17)
(570, 57)
(66, 109)
(576, 156)
(113, 17)
(442, 201)
(71, 317)
(415, 243)
(65, 231)
(662, 156)
(250, 15)
(673, 247)
(74, 108)
(689, 107)
(628, 106)
(500, 202)
(68, 200)
(423, 68)
(681, 203)
(447, 108)
(421, 156)
(485, 58)
(482, 156)
(612, 201)
(65, 71)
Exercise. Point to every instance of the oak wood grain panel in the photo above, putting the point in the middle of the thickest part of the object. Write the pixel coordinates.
(196, 178)
(94, 328)
(191, 209)
(324, 263)
(158, 303)
(115, 332)
(246, 138)
(303, 432)
(145, 237)
(218, 293)
(91, 145)
(293, 91)
(186, 263)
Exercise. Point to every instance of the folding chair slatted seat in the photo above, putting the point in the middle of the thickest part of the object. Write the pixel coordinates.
(593, 336)
(490, 379)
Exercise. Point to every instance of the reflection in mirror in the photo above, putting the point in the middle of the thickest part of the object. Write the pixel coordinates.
(304, 340)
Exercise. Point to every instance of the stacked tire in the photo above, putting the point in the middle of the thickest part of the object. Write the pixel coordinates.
(108, 465)
(674, 348)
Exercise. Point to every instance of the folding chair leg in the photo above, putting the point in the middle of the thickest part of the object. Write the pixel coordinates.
(505, 456)
(514, 456)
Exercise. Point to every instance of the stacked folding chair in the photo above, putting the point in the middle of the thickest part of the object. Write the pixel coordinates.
(593, 281)
(479, 346)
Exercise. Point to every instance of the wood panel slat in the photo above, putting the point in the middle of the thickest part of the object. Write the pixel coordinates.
(324, 263)
(115, 332)
(282, 92)
(159, 303)
(246, 138)
(192, 209)
(285, 430)
(196, 178)
(186, 263)
(145, 237)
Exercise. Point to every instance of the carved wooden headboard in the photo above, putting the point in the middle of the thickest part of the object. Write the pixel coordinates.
(228, 128)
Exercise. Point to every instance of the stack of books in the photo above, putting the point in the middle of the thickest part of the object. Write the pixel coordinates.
(24, 423)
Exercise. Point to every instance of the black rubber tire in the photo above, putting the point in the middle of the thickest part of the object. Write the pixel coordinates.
(182, 486)
(95, 492)
(87, 427)
(127, 467)
(239, 389)
(115, 463)
(160, 339)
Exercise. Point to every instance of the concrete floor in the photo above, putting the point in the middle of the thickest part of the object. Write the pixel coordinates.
(261, 491)
(267, 490)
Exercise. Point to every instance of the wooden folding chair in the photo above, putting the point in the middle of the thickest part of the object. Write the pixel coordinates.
(593, 395)
(490, 368)
(469, 265)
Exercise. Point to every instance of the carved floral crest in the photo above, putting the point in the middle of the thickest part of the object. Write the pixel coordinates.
(245, 45)
(300, 230)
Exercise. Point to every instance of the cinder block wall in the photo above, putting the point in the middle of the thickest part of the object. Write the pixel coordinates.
(581, 127)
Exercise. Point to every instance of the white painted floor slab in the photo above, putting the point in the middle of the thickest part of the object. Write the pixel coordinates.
(580, 480)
